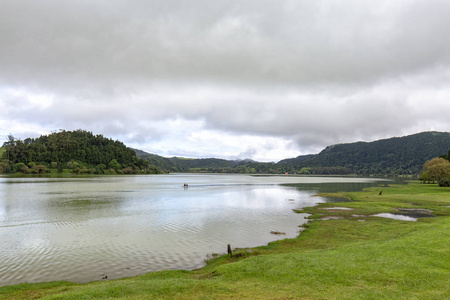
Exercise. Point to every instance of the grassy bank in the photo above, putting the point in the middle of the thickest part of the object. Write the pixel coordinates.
(353, 255)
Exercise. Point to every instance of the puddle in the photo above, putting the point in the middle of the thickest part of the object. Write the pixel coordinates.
(420, 211)
(338, 208)
(408, 214)
(359, 216)
(396, 217)
(331, 218)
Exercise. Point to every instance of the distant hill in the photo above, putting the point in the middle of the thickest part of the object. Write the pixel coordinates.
(202, 164)
(164, 165)
(82, 151)
(181, 164)
(393, 156)
(298, 160)
(398, 155)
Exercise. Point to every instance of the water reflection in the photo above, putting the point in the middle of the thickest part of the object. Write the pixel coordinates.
(80, 228)
(396, 217)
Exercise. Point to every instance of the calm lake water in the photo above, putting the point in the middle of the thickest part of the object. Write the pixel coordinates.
(78, 229)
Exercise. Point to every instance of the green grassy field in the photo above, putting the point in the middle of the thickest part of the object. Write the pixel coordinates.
(352, 256)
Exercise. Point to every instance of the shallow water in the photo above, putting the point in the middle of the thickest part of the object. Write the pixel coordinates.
(399, 217)
(78, 229)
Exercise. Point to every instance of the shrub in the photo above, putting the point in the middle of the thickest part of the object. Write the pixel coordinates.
(444, 182)
(40, 169)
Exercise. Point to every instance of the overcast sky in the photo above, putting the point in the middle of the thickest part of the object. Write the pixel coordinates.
(258, 79)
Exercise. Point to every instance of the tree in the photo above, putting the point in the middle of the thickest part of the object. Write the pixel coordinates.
(113, 164)
(100, 169)
(19, 167)
(447, 157)
(304, 170)
(436, 169)
(40, 169)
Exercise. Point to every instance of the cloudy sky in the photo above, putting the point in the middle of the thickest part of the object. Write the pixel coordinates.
(258, 79)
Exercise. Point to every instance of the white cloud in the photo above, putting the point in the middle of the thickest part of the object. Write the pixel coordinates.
(265, 79)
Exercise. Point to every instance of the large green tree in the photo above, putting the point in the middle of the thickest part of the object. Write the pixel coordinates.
(436, 170)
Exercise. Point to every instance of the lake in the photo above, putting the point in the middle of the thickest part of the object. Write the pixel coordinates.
(78, 229)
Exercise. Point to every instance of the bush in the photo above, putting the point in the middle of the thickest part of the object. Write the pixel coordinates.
(128, 170)
(444, 182)
(40, 169)
(100, 169)
(19, 167)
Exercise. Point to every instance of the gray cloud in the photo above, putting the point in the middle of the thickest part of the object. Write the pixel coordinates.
(233, 41)
(310, 72)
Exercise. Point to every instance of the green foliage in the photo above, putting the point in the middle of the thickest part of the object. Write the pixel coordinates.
(19, 167)
(447, 157)
(444, 182)
(394, 156)
(436, 169)
(100, 169)
(164, 165)
(114, 164)
(79, 150)
(204, 164)
(305, 170)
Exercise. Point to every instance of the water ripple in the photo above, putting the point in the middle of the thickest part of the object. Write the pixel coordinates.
(78, 230)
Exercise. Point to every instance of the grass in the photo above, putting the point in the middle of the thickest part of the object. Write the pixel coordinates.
(355, 257)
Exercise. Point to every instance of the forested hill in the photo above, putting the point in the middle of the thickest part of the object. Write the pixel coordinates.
(79, 151)
(394, 156)
(398, 155)
(83, 152)
(179, 164)
(202, 165)
(163, 164)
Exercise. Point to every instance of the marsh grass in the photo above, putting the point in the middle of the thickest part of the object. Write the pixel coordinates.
(356, 257)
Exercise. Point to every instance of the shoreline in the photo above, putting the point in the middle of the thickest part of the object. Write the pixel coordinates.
(240, 251)
(300, 228)
(332, 257)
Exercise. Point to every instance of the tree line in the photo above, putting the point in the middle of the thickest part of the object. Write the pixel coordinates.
(400, 156)
(78, 151)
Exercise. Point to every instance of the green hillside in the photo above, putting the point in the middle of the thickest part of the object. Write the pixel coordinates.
(164, 165)
(202, 164)
(78, 151)
(394, 156)
(83, 152)
(399, 155)
(297, 160)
